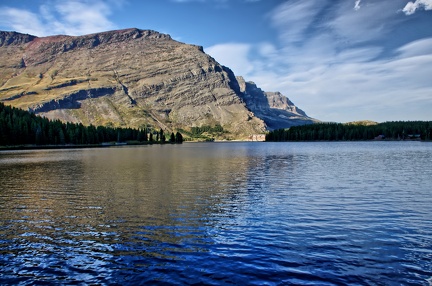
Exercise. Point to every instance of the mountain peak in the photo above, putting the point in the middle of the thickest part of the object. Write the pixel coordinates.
(93, 40)
(134, 78)
(14, 38)
(130, 33)
(274, 108)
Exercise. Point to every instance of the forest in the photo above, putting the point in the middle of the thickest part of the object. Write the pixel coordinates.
(203, 133)
(396, 130)
(19, 127)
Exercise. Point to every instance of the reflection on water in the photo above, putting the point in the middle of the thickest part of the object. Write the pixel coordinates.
(219, 213)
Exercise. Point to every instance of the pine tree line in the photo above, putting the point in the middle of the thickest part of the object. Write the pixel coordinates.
(19, 127)
(397, 130)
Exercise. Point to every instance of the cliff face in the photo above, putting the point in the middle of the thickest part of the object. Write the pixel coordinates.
(127, 78)
(14, 39)
(276, 110)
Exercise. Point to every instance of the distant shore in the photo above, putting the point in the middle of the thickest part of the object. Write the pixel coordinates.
(78, 146)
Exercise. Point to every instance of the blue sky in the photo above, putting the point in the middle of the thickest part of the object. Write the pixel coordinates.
(339, 60)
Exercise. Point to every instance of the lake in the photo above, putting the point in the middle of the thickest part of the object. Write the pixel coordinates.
(318, 213)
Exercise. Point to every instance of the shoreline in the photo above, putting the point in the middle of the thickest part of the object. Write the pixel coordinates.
(107, 145)
(78, 146)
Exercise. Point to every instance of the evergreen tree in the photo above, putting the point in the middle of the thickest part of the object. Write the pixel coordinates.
(39, 136)
(142, 135)
(178, 137)
(19, 127)
(337, 131)
(162, 136)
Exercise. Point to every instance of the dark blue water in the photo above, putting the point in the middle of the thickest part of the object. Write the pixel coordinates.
(356, 213)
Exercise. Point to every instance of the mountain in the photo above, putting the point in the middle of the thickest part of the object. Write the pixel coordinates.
(135, 78)
(275, 109)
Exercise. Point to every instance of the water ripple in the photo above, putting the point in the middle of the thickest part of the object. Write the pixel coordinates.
(218, 214)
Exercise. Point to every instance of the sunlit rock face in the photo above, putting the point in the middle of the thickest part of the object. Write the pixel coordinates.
(275, 109)
(134, 78)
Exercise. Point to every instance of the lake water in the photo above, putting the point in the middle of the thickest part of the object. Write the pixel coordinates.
(339, 213)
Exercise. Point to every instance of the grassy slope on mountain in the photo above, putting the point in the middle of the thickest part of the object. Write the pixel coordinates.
(151, 79)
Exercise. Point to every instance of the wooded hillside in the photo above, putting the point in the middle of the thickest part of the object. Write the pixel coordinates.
(398, 130)
(19, 127)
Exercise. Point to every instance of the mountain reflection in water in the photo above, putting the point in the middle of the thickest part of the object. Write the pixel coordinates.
(218, 213)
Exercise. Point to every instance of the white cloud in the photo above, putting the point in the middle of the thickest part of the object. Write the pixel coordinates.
(357, 5)
(329, 61)
(411, 7)
(329, 67)
(76, 17)
(371, 22)
(416, 48)
(22, 21)
(232, 55)
(347, 91)
(293, 18)
(355, 88)
(267, 50)
(82, 17)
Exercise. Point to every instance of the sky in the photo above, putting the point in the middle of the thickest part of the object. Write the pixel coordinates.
(338, 60)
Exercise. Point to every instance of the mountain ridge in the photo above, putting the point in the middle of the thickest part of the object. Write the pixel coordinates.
(135, 78)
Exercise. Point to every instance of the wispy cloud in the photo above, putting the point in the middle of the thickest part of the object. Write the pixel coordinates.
(357, 5)
(371, 22)
(411, 7)
(208, 1)
(417, 48)
(236, 58)
(217, 1)
(329, 62)
(354, 87)
(22, 21)
(79, 17)
(76, 17)
(186, 1)
(293, 18)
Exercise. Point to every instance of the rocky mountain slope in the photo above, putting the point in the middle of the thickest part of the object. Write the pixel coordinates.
(135, 78)
(276, 110)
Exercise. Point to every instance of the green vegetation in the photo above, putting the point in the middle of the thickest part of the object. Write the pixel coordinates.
(19, 127)
(204, 133)
(398, 130)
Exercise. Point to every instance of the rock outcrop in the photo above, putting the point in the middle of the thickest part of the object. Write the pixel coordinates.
(134, 78)
(275, 109)
(14, 38)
